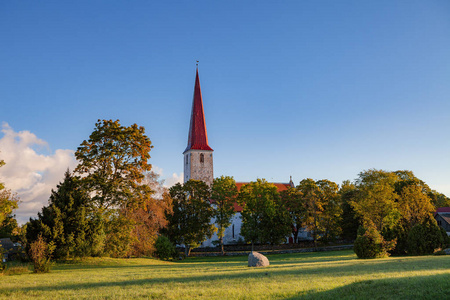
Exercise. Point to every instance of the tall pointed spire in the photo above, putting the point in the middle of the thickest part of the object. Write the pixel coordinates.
(198, 137)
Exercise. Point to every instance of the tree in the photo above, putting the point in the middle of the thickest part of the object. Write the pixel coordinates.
(264, 220)
(190, 221)
(68, 222)
(331, 216)
(150, 217)
(377, 200)
(292, 201)
(350, 222)
(313, 205)
(223, 193)
(8, 201)
(113, 162)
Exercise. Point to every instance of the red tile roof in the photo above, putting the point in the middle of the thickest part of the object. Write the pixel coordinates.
(442, 210)
(198, 137)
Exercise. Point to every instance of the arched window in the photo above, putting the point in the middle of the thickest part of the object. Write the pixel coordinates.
(202, 158)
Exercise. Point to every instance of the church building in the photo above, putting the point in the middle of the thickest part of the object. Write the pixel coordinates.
(198, 163)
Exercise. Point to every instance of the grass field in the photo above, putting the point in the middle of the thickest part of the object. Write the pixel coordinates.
(326, 275)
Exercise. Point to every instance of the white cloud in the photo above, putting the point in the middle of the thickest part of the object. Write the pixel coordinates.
(32, 174)
(174, 179)
(29, 173)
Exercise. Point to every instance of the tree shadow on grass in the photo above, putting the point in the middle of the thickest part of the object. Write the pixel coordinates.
(335, 269)
(417, 287)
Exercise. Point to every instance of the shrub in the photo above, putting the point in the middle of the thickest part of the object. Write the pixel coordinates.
(370, 244)
(165, 250)
(40, 253)
(425, 237)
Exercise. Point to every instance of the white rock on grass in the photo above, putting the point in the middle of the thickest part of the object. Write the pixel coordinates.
(256, 259)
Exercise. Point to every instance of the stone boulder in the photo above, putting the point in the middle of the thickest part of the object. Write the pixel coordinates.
(256, 259)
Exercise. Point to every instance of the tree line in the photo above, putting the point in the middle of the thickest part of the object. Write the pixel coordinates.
(112, 204)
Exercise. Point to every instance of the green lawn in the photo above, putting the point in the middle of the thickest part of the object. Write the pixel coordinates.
(329, 275)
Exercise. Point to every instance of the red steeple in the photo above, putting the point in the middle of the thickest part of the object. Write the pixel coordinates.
(198, 138)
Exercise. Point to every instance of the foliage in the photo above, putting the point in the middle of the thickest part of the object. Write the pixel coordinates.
(8, 201)
(189, 223)
(313, 206)
(330, 218)
(223, 193)
(129, 202)
(370, 243)
(9, 227)
(165, 250)
(414, 205)
(291, 200)
(113, 162)
(350, 221)
(40, 253)
(425, 237)
(69, 222)
(264, 219)
(377, 201)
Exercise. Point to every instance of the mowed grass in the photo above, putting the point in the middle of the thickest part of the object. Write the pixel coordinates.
(326, 275)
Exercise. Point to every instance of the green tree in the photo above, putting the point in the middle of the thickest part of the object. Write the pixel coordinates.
(313, 205)
(68, 222)
(223, 193)
(8, 201)
(292, 201)
(350, 222)
(113, 162)
(377, 200)
(112, 165)
(264, 219)
(190, 221)
(330, 218)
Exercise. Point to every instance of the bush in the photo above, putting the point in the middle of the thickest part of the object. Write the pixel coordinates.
(370, 244)
(40, 254)
(425, 237)
(165, 250)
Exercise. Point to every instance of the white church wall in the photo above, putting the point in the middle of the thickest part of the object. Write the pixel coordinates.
(232, 233)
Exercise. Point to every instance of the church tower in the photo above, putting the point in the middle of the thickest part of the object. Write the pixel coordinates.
(198, 156)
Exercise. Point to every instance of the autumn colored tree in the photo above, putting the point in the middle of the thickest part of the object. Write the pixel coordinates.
(150, 217)
(190, 221)
(223, 194)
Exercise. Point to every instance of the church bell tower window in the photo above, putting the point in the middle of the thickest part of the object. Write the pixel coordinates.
(202, 158)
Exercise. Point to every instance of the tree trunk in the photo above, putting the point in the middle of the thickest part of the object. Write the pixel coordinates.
(221, 246)
(187, 250)
(295, 234)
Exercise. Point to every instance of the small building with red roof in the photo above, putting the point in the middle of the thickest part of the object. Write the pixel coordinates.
(442, 216)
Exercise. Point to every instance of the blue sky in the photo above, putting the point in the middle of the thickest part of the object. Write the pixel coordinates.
(320, 89)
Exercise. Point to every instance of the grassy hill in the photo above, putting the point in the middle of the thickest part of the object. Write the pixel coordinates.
(329, 275)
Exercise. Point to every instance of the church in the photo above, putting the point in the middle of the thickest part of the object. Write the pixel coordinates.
(198, 163)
